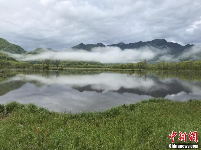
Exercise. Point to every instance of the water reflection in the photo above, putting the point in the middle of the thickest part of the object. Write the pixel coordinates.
(93, 92)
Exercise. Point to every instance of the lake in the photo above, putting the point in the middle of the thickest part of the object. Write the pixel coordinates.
(64, 91)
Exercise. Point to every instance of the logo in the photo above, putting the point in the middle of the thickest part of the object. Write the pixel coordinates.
(183, 136)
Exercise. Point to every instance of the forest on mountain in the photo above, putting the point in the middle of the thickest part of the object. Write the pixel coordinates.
(11, 48)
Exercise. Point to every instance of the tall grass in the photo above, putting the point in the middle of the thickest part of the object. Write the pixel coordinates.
(144, 125)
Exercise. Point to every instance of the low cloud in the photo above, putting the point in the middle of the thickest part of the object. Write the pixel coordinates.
(103, 55)
(114, 55)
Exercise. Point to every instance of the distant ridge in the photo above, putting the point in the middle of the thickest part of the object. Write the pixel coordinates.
(88, 47)
(161, 44)
(157, 43)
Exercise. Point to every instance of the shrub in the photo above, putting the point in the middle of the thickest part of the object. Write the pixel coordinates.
(13, 106)
(1, 108)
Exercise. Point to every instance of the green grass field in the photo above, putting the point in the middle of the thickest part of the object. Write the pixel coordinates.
(145, 125)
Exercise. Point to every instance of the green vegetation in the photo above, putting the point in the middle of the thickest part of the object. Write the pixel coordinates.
(143, 65)
(11, 48)
(184, 65)
(57, 64)
(5, 57)
(144, 125)
(39, 50)
(7, 62)
(11, 63)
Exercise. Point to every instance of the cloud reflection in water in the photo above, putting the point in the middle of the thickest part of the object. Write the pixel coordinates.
(77, 93)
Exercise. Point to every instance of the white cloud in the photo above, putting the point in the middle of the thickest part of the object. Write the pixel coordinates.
(194, 26)
(65, 23)
(47, 2)
(103, 55)
(113, 55)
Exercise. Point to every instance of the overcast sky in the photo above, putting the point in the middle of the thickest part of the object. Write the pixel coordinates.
(59, 24)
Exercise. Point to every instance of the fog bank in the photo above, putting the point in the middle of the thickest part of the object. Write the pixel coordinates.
(114, 55)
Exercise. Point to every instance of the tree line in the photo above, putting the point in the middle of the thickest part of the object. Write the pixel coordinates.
(143, 65)
(7, 62)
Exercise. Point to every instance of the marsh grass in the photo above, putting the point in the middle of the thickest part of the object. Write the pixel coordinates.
(144, 125)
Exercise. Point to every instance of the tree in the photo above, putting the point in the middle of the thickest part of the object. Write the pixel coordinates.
(57, 63)
(46, 64)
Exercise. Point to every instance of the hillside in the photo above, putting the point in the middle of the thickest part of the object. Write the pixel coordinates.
(40, 50)
(5, 57)
(11, 48)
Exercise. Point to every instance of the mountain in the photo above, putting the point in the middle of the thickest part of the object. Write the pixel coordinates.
(88, 47)
(174, 48)
(40, 50)
(5, 57)
(163, 50)
(11, 48)
(157, 43)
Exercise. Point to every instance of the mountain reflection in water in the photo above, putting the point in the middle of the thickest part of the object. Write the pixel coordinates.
(93, 92)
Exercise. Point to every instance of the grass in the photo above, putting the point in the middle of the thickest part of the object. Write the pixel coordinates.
(145, 125)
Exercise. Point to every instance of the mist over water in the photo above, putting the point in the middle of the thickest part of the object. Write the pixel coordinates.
(95, 92)
(113, 55)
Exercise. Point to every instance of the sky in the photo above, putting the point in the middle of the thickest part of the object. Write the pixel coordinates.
(60, 24)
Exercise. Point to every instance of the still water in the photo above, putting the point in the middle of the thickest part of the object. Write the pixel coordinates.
(65, 92)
